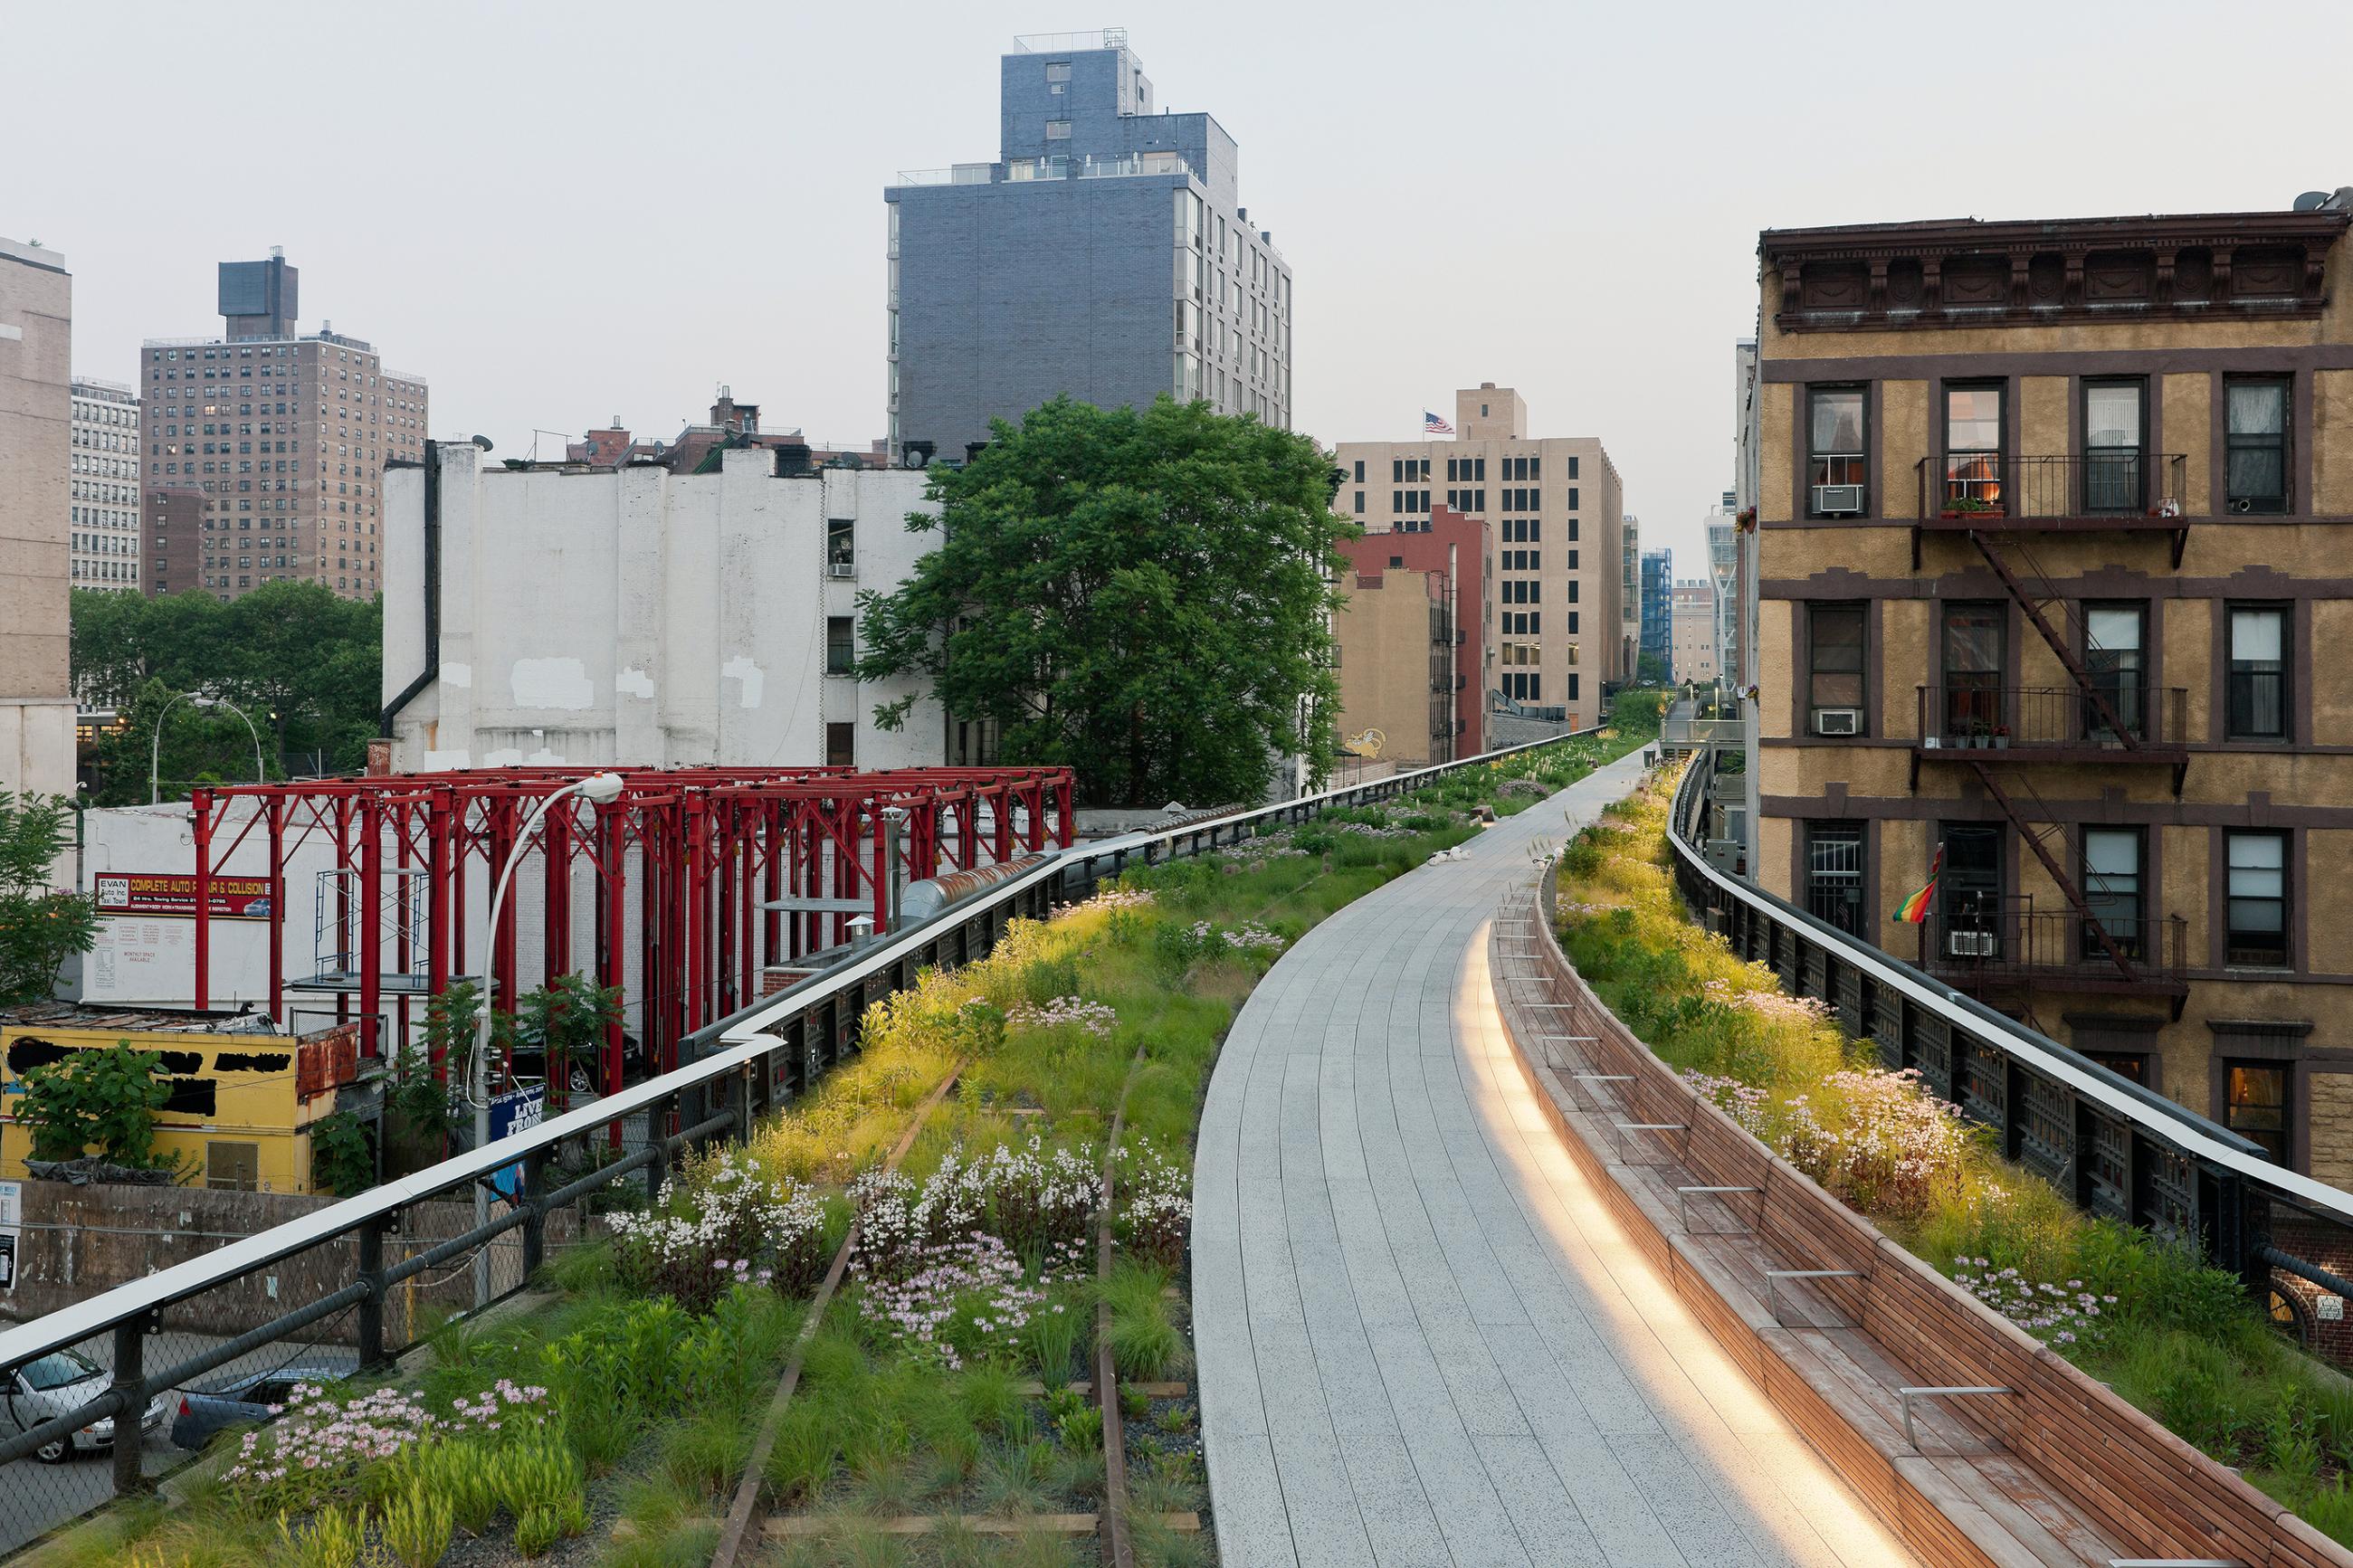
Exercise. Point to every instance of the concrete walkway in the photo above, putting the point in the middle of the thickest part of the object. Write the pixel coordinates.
(1422, 1338)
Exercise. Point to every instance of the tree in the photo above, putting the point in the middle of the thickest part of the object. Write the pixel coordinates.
(566, 1021)
(1141, 594)
(104, 1098)
(39, 925)
(1649, 669)
(304, 665)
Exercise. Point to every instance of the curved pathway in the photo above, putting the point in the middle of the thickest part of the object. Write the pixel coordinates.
(1422, 1338)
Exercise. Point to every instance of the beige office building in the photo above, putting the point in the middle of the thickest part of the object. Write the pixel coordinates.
(1554, 511)
(266, 448)
(37, 707)
(105, 486)
(1694, 633)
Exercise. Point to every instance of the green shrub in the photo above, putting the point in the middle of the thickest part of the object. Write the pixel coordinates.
(706, 1453)
(1052, 1339)
(333, 1539)
(418, 1525)
(537, 1474)
(536, 1533)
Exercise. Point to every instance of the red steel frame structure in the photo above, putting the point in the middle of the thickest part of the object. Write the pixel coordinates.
(716, 851)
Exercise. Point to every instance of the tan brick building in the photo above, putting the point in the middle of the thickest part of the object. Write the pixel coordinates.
(1555, 511)
(37, 707)
(280, 439)
(1409, 659)
(2053, 527)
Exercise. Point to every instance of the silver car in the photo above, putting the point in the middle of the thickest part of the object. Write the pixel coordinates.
(58, 1385)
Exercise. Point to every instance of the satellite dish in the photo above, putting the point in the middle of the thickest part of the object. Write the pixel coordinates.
(483, 442)
(2311, 201)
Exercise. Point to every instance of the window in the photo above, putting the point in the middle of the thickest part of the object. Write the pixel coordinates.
(1968, 891)
(1973, 448)
(233, 1167)
(2111, 888)
(1360, 470)
(2255, 1104)
(841, 546)
(2256, 928)
(840, 744)
(1835, 447)
(1572, 490)
(1834, 637)
(2115, 420)
(2257, 698)
(1058, 131)
(1834, 874)
(1360, 499)
(1972, 670)
(2115, 637)
(2255, 421)
(840, 645)
(1057, 70)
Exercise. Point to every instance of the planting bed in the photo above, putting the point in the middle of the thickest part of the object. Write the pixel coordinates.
(946, 1407)
(2176, 1339)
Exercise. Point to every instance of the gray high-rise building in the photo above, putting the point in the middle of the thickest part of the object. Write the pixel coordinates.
(1102, 255)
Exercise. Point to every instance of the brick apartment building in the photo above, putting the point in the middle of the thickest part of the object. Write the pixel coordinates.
(1412, 664)
(2051, 520)
(265, 449)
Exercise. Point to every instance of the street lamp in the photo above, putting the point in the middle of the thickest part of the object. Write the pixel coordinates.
(155, 745)
(602, 789)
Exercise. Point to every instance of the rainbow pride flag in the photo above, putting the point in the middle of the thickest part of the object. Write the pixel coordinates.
(1916, 908)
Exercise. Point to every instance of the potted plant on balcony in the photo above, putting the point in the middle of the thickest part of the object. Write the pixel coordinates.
(2001, 737)
(1980, 733)
(1970, 506)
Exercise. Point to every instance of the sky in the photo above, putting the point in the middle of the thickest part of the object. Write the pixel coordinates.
(560, 212)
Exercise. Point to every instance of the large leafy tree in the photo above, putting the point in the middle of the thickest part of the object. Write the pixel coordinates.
(1141, 595)
(304, 666)
(39, 925)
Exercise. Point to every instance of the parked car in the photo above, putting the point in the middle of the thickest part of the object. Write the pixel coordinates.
(58, 1385)
(247, 1399)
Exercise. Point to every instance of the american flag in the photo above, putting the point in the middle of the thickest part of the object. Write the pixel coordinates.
(1431, 425)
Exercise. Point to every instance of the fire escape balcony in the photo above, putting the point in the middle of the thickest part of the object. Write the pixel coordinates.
(2003, 952)
(2099, 492)
(2016, 726)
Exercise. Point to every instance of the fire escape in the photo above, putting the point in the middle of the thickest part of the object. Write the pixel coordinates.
(2000, 503)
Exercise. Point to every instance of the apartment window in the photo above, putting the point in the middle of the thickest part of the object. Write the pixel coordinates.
(1970, 890)
(2257, 700)
(1057, 70)
(1360, 499)
(2112, 877)
(2115, 642)
(2255, 1104)
(1058, 131)
(1834, 874)
(1972, 670)
(840, 645)
(2255, 422)
(841, 744)
(1973, 448)
(1572, 490)
(1360, 470)
(1837, 470)
(1834, 639)
(1479, 470)
(1572, 473)
(2115, 424)
(233, 1167)
(2256, 927)
(841, 546)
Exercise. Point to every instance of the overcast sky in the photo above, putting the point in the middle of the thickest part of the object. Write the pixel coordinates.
(560, 213)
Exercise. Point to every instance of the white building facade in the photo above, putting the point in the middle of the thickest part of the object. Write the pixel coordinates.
(105, 486)
(641, 618)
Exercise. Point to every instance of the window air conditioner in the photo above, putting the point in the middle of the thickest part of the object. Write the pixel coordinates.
(841, 569)
(1838, 500)
(1838, 720)
(1972, 944)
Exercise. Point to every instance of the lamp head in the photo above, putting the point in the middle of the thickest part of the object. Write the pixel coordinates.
(602, 788)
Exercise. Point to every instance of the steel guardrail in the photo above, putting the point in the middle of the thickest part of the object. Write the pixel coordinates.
(2150, 1113)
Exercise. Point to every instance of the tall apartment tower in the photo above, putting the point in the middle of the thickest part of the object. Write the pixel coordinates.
(1555, 514)
(36, 706)
(265, 449)
(104, 515)
(1103, 255)
(2053, 518)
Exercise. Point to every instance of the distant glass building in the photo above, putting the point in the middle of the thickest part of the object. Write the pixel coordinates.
(1658, 606)
(1102, 255)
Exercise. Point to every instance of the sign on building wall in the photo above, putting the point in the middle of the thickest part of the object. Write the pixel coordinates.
(174, 894)
(11, 1214)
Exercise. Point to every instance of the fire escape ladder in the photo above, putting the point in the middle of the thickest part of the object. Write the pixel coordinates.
(2066, 884)
(2059, 644)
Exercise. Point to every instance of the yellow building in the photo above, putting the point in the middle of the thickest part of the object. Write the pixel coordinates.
(2053, 527)
(242, 1106)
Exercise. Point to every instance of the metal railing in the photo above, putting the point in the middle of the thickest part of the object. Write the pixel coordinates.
(2116, 1148)
(2119, 489)
(2021, 945)
(2040, 718)
(328, 1282)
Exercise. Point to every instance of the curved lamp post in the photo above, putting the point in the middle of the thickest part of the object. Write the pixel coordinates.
(602, 789)
(156, 742)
